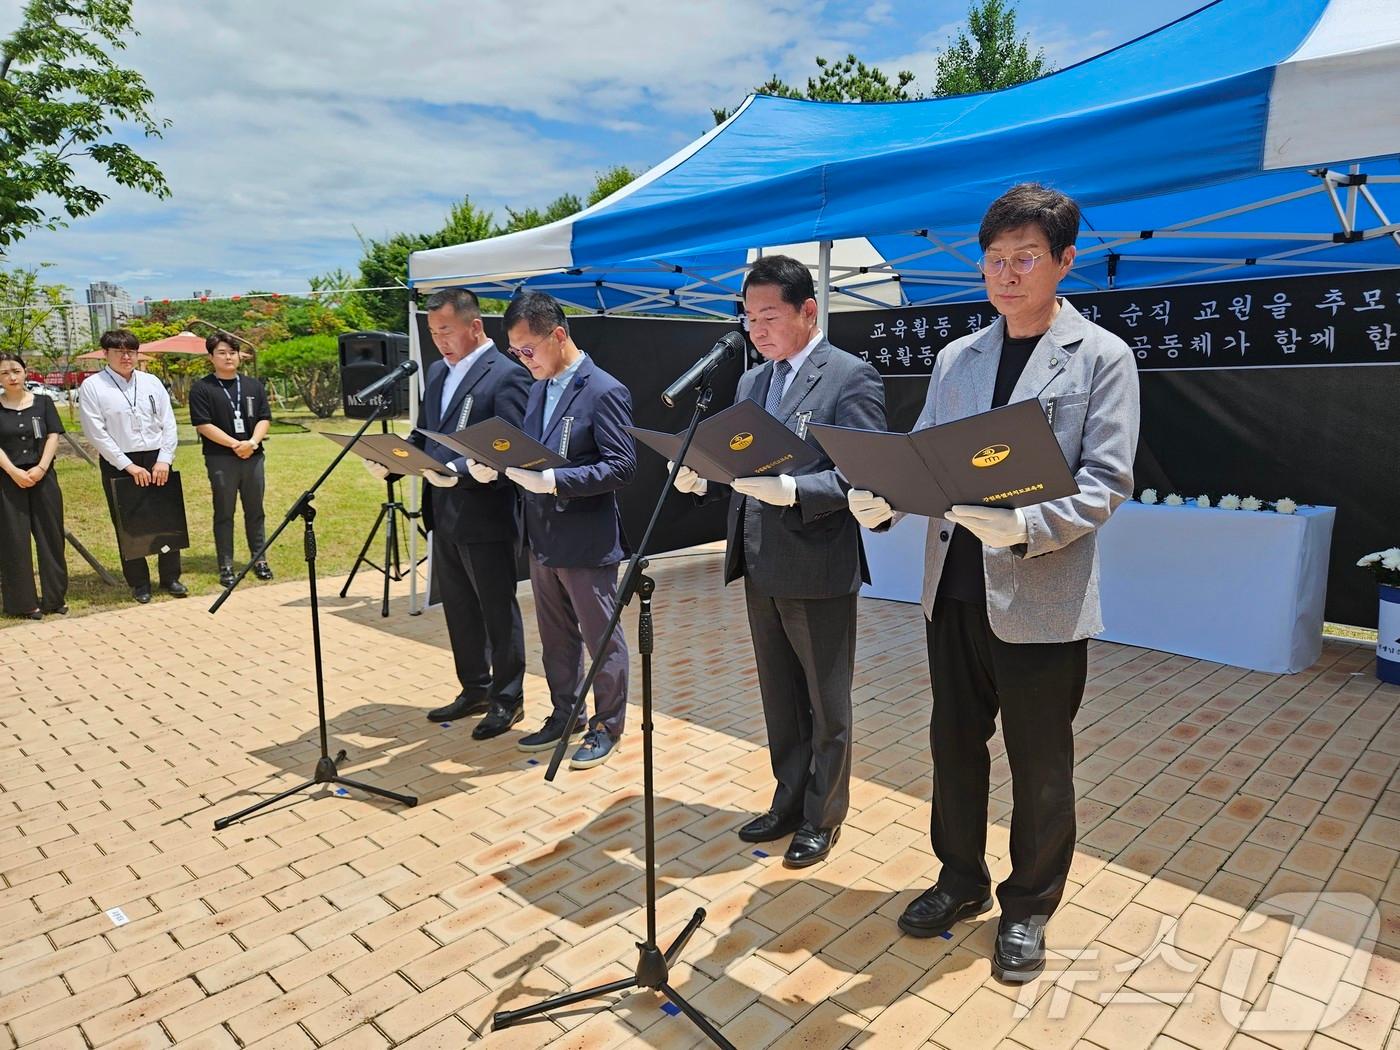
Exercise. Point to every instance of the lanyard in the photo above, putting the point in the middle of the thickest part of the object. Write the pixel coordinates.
(235, 400)
(131, 404)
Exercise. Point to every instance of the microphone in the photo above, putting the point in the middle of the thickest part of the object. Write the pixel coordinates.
(384, 382)
(698, 372)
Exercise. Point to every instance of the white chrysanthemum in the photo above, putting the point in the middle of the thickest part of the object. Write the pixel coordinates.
(1251, 503)
(1285, 506)
(1173, 500)
(1229, 501)
(1149, 497)
(1203, 500)
(1370, 559)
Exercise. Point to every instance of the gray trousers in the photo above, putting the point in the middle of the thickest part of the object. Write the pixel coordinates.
(232, 478)
(572, 607)
(805, 650)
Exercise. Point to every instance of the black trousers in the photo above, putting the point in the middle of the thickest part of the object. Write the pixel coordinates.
(231, 479)
(805, 650)
(36, 512)
(136, 571)
(1037, 689)
(477, 584)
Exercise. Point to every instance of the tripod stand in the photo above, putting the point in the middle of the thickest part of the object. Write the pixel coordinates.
(326, 771)
(653, 965)
(389, 512)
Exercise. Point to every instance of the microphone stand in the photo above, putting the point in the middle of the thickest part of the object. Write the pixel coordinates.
(653, 965)
(326, 771)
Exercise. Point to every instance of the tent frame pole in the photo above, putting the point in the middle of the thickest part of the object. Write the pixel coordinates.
(823, 284)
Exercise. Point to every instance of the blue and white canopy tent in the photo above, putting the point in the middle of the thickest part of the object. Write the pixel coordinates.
(1250, 138)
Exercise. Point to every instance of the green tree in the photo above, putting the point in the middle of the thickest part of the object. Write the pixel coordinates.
(988, 55)
(529, 218)
(848, 80)
(26, 306)
(61, 93)
(310, 364)
(606, 183)
(384, 263)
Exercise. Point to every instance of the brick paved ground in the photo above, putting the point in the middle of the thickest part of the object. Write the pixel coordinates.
(344, 922)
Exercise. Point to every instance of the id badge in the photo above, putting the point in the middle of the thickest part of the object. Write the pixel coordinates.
(238, 425)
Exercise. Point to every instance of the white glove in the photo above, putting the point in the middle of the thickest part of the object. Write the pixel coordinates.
(994, 526)
(868, 509)
(540, 482)
(378, 470)
(688, 481)
(779, 490)
(442, 481)
(481, 472)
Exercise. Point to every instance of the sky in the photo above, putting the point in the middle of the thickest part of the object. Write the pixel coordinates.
(298, 128)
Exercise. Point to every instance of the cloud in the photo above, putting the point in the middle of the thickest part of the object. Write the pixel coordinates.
(297, 128)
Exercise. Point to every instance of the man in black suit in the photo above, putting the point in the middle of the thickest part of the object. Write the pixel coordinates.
(801, 560)
(475, 525)
(572, 522)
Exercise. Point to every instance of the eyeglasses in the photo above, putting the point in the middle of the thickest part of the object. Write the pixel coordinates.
(1021, 262)
(124, 353)
(523, 351)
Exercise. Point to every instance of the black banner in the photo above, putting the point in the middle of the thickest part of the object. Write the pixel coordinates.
(1335, 319)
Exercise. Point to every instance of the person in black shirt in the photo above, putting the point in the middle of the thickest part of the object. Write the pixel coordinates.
(231, 414)
(30, 500)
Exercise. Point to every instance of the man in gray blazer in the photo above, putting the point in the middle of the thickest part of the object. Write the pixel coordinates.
(801, 559)
(1011, 596)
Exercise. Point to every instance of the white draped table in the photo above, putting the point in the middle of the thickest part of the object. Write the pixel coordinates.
(1235, 587)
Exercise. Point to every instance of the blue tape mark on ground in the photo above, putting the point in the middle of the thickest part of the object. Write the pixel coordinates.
(670, 1008)
(760, 853)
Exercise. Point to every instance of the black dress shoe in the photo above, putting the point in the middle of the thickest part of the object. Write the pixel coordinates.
(175, 587)
(499, 719)
(809, 845)
(226, 577)
(141, 594)
(463, 706)
(770, 826)
(935, 911)
(1020, 950)
(262, 570)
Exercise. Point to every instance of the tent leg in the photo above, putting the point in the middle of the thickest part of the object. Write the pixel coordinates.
(823, 284)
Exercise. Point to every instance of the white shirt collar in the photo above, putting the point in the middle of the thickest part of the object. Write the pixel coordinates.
(799, 359)
(125, 384)
(461, 367)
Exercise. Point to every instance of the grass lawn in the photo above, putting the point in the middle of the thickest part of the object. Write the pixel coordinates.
(296, 454)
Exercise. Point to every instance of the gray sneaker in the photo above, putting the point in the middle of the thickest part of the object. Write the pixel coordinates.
(547, 735)
(598, 747)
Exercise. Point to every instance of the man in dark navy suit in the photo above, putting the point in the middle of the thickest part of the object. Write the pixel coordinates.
(476, 525)
(572, 521)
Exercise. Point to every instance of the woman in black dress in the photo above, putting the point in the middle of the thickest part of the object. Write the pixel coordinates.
(30, 500)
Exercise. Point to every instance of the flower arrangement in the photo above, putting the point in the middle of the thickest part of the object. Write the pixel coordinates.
(1384, 566)
(1229, 501)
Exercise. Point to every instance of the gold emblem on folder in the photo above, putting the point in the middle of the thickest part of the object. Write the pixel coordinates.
(991, 455)
(501, 445)
(739, 442)
(402, 453)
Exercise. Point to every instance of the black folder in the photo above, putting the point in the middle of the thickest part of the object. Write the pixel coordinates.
(391, 451)
(1007, 457)
(743, 441)
(150, 518)
(499, 445)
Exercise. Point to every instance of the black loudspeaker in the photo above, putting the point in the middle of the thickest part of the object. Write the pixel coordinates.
(365, 357)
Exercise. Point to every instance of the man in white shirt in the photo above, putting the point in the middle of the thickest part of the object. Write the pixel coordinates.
(127, 416)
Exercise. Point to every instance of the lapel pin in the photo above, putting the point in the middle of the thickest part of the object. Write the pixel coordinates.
(1054, 361)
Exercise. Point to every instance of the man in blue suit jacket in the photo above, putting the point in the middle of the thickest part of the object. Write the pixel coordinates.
(476, 526)
(572, 521)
